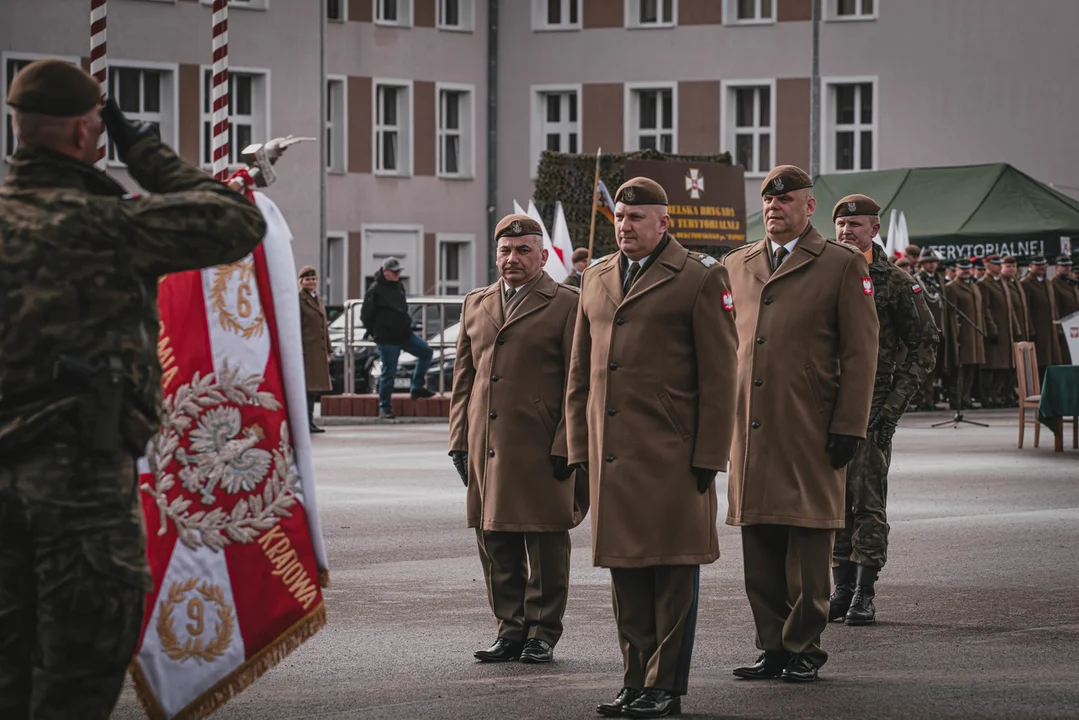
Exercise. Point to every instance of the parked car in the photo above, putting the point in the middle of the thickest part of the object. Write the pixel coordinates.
(442, 360)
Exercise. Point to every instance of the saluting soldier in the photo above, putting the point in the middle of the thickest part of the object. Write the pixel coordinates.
(906, 352)
(806, 312)
(1066, 289)
(932, 282)
(508, 441)
(650, 412)
(998, 373)
(1042, 307)
(966, 346)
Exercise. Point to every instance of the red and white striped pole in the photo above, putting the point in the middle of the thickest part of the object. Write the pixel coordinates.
(98, 62)
(220, 93)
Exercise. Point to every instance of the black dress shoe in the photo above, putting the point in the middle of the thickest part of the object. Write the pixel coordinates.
(615, 707)
(501, 651)
(799, 669)
(654, 703)
(421, 393)
(537, 651)
(315, 429)
(769, 666)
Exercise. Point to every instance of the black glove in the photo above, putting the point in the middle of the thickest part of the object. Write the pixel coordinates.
(705, 478)
(460, 461)
(124, 133)
(562, 470)
(842, 449)
(884, 426)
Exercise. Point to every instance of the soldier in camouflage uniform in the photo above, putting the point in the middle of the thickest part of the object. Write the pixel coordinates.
(932, 282)
(907, 331)
(80, 381)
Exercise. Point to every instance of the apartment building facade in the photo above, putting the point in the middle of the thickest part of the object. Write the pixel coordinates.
(903, 83)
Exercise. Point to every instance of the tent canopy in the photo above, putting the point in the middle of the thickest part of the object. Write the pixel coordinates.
(951, 205)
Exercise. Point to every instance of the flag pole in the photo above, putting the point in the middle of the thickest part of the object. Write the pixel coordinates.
(595, 204)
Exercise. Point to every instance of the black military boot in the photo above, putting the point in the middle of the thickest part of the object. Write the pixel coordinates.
(862, 610)
(839, 603)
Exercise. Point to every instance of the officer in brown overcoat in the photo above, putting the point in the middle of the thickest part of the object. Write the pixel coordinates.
(998, 373)
(508, 441)
(805, 310)
(650, 412)
(1042, 307)
(966, 342)
(315, 338)
(1066, 289)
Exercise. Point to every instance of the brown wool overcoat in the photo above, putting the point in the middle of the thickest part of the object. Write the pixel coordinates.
(650, 397)
(1021, 330)
(1000, 323)
(965, 344)
(315, 335)
(507, 409)
(1042, 307)
(807, 358)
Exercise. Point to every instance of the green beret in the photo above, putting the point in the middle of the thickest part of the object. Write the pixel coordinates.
(54, 87)
(517, 226)
(855, 205)
(784, 179)
(641, 191)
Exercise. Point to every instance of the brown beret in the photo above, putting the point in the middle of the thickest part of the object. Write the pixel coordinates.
(54, 87)
(307, 270)
(517, 226)
(911, 250)
(902, 262)
(784, 179)
(855, 205)
(641, 191)
(580, 254)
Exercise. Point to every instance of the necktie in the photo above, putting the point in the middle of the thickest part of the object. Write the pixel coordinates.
(509, 293)
(781, 252)
(631, 276)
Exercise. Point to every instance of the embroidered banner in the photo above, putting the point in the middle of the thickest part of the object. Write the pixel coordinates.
(234, 542)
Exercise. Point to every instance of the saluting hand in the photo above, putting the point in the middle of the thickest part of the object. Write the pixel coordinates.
(705, 478)
(460, 461)
(842, 449)
(124, 133)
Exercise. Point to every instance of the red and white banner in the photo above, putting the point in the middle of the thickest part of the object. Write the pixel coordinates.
(234, 542)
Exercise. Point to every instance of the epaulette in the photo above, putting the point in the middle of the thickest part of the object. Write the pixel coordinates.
(570, 287)
(706, 260)
(744, 248)
(475, 290)
(848, 248)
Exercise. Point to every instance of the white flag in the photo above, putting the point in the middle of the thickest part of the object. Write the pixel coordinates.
(554, 266)
(563, 243)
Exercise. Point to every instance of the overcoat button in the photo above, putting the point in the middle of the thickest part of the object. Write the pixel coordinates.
(767, 301)
(612, 412)
(610, 458)
(760, 341)
(490, 453)
(755, 425)
(757, 383)
(501, 341)
(619, 321)
(494, 378)
(613, 366)
(493, 415)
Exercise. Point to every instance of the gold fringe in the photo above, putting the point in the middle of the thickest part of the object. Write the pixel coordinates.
(324, 578)
(228, 687)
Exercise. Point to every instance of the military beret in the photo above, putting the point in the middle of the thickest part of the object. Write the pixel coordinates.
(580, 254)
(517, 226)
(929, 254)
(993, 260)
(784, 179)
(902, 262)
(641, 191)
(963, 264)
(1064, 260)
(855, 205)
(54, 87)
(1038, 260)
(307, 270)
(1008, 259)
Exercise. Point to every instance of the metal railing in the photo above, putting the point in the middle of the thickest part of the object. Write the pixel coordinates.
(424, 302)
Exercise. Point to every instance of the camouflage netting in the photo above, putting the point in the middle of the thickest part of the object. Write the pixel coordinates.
(568, 178)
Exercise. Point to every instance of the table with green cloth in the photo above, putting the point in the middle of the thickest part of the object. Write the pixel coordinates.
(1060, 399)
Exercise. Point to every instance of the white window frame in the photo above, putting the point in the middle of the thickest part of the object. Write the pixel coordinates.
(415, 270)
(539, 16)
(344, 13)
(727, 123)
(244, 4)
(466, 16)
(831, 12)
(730, 13)
(405, 142)
(405, 14)
(170, 99)
(339, 123)
(828, 126)
(539, 119)
(632, 132)
(468, 267)
(324, 274)
(633, 16)
(467, 115)
(7, 111)
(260, 125)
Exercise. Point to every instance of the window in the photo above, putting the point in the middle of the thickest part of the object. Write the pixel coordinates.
(245, 4)
(560, 125)
(455, 14)
(750, 12)
(336, 133)
(854, 9)
(650, 13)
(335, 271)
(143, 94)
(393, 12)
(393, 131)
(248, 105)
(454, 265)
(455, 132)
(335, 10)
(651, 119)
(851, 126)
(748, 122)
(556, 14)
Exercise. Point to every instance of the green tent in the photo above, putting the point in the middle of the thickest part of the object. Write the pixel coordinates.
(968, 211)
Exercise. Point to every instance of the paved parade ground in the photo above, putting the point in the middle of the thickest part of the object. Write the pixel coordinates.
(978, 607)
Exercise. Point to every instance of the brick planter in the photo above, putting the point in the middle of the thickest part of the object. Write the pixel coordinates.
(367, 406)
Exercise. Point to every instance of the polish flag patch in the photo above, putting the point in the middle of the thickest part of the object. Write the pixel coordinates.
(916, 288)
(728, 301)
(867, 286)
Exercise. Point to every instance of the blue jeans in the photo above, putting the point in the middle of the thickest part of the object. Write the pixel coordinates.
(388, 354)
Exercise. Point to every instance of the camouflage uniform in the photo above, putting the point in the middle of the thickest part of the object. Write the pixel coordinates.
(905, 325)
(79, 268)
(933, 292)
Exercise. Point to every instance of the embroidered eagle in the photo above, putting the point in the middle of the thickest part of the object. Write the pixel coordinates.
(223, 454)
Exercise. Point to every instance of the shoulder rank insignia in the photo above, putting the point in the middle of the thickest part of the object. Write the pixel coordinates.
(706, 260)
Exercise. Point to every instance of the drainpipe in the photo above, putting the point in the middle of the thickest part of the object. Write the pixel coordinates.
(323, 250)
(492, 133)
(814, 97)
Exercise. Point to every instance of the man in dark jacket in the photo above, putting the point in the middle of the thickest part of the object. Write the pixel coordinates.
(386, 318)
